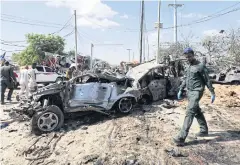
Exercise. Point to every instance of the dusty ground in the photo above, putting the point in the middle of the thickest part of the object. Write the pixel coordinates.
(140, 138)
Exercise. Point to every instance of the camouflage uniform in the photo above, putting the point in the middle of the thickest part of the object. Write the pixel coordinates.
(195, 81)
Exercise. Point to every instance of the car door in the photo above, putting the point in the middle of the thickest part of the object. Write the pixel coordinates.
(40, 77)
(83, 94)
(103, 93)
(50, 75)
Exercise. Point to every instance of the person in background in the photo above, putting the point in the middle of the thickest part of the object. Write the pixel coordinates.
(32, 78)
(23, 81)
(8, 80)
(77, 72)
(69, 73)
(195, 81)
(73, 71)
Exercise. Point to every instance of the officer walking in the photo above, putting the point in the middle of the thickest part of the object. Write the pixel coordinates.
(196, 79)
(8, 80)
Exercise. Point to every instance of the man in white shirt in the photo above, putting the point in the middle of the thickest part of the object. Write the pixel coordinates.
(32, 78)
(23, 81)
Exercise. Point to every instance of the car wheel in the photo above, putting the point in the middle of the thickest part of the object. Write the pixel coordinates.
(125, 105)
(49, 120)
(59, 79)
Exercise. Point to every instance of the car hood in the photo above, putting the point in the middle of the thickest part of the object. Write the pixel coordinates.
(52, 88)
(139, 71)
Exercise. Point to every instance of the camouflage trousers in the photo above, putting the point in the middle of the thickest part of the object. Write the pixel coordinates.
(193, 110)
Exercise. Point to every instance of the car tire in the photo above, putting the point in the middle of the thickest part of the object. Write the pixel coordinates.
(125, 105)
(50, 120)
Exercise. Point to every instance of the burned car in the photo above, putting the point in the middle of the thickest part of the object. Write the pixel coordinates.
(229, 76)
(153, 82)
(89, 92)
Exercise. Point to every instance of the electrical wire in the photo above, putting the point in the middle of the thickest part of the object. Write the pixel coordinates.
(219, 11)
(69, 34)
(197, 22)
(65, 25)
(10, 51)
(11, 41)
(12, 44)
(29, 23)
(28, 20)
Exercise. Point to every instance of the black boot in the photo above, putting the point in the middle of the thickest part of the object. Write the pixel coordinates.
(178, 141)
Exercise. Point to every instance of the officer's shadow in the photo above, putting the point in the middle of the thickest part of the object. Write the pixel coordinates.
(219, 136)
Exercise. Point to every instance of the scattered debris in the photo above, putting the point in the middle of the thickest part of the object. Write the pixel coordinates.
(175, 152)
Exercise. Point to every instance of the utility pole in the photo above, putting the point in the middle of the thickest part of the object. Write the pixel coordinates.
(129, 55)
(133, 56)
(175, 6)
(76, 61)
(141, 30)
(91, 62)
(148, 49)
(159, 26)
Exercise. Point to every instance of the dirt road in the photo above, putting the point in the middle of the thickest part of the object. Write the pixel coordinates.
(139, 138)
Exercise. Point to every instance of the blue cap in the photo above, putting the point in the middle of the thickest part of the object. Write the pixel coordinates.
(188, 51)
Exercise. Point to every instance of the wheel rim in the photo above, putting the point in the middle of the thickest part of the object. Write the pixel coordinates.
(125, 105)
(47, 121)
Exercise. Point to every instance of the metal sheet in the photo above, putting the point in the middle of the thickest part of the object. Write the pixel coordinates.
(158, 89)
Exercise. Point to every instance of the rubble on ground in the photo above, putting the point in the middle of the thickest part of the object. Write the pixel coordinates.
(142, 137)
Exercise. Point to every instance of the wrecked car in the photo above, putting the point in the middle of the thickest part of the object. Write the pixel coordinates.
(153, 82)
(89, 92)
(229, 76)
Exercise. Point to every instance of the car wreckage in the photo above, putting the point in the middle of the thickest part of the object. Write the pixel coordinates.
(101, 92)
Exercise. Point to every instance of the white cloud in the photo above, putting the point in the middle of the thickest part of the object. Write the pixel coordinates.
(125, 16)
(192, 15)
(212, 32)
(96, 23)
(91, 13)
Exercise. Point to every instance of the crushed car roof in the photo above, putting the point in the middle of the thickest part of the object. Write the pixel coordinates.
(139, 71)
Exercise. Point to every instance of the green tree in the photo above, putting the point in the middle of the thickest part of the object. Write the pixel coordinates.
(38, 44)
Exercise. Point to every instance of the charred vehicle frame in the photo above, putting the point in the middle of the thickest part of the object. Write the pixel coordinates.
(89, 92)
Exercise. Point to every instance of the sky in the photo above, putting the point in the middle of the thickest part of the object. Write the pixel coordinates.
(112, 26)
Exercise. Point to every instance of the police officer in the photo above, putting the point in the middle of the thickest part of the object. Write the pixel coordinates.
(8, 80)
(195, 81)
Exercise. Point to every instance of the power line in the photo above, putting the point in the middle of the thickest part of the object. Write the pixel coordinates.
(10, 51)
(12, 44)
(11, 41)
(65, 25)
(29, 23)
(29, 20)
(220, 11)
(69, 34)
(196, 22)
(210, 17)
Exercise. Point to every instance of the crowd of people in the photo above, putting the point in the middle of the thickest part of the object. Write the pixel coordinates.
(27, 81)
